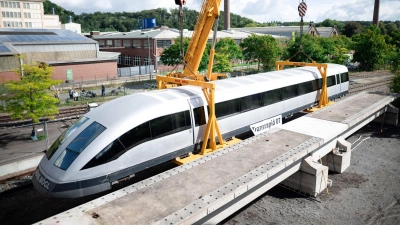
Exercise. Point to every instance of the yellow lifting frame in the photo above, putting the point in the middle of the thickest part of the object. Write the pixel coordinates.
(212, 125)
(323, 70)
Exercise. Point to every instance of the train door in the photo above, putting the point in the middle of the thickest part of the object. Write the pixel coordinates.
(199, 120)
(338, 85)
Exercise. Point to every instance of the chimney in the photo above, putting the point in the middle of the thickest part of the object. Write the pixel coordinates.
(376, 13)
(52, 9)
(227, 16)
(70, 18)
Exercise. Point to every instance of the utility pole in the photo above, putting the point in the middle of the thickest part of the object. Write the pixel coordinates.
(376, 13)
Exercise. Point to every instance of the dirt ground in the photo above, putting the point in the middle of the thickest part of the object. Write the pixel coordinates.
(366, 193)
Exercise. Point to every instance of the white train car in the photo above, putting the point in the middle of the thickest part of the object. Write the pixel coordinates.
(135, 132)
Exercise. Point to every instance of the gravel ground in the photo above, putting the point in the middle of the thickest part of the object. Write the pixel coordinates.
(366, 193)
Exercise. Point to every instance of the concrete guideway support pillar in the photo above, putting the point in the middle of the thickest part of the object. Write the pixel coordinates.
(338, 160)
(311, 179)
(390, 116)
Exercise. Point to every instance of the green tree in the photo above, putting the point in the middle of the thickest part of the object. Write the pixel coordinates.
(221, 62)
(30, 96)
(263, 49)
(390, 28)
(228, 46)
(351, 28)
(311, 47)
(170, 56)
(370, 47)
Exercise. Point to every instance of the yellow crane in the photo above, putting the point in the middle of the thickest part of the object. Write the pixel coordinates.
(208, 16)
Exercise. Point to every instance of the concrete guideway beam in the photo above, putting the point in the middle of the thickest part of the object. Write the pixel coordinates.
(224, 197)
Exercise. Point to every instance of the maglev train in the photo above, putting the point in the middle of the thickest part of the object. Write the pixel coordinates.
(135, 132)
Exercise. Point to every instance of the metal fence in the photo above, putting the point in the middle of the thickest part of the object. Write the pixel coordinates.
(133, 71)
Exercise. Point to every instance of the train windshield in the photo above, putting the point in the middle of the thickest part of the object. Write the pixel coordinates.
(64, 136)
(78, 145)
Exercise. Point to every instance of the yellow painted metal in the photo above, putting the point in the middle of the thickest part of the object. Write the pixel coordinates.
(207, 15)
(192, 157)
(208, 89)
(323, 70)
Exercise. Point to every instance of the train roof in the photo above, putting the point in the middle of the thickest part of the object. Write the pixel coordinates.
(117, 110)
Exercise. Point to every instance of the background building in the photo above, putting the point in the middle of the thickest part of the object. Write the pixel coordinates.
(144, 47)
(21, 14)
(73, 56)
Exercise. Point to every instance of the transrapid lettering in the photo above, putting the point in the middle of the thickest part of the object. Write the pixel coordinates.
(266, 125)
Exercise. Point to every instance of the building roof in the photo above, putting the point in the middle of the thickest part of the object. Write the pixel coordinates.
(12, 36)
(169, 34)
(325, 31)
(80, 61)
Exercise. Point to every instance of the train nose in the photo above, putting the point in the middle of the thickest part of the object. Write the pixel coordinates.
(42, 183)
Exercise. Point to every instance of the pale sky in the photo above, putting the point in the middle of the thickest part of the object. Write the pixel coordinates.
(258, 10)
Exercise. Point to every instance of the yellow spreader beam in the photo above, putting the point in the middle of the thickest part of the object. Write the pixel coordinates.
(212, 129)
(323, 70)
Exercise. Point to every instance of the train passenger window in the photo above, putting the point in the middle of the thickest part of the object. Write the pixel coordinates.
(289, 91)
(136, 136)
(181, 121)
(250, 102)
(305, 88)
(161, 126)
(345, 77)
(337, 78)
(319, 83)
(65, 159)
(86, 137)
(330, 81)
(111, 152)
(64, 136)
(227, 108)
(199, 116)
(271, 97)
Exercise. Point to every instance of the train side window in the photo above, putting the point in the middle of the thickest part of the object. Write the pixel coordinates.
(136, 136)
(199, 116)
(289, 91)
(227, 108)
(305, 88)
(319, 83)
(271, 97)
(161, 126)
(65, 159)
(331, 81)
(250, 102)
(345, 77)
(181, 121)
(111, 152)
(338, 79)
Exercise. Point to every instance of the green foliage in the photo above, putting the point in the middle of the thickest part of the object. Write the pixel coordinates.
(221, 62)
(351, 28)
(331, 23)
(311, 47)
(370, 47)
(229, 47)
(395, 84)
(264, 49)
(30, 98)
(170, 56)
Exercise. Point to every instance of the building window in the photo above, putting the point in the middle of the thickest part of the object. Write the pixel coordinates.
(146, 43)
(119, 60)
(101, 43)
(136, 44)
(163, 43)
(109, 43)
(27, 15)
(147, 61)
(127, 60)
(126, 43)
(117, 43)
(28, 24)
(137, 60)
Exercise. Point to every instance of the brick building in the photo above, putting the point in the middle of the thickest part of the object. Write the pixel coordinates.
(144, 47)
(73, 56)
